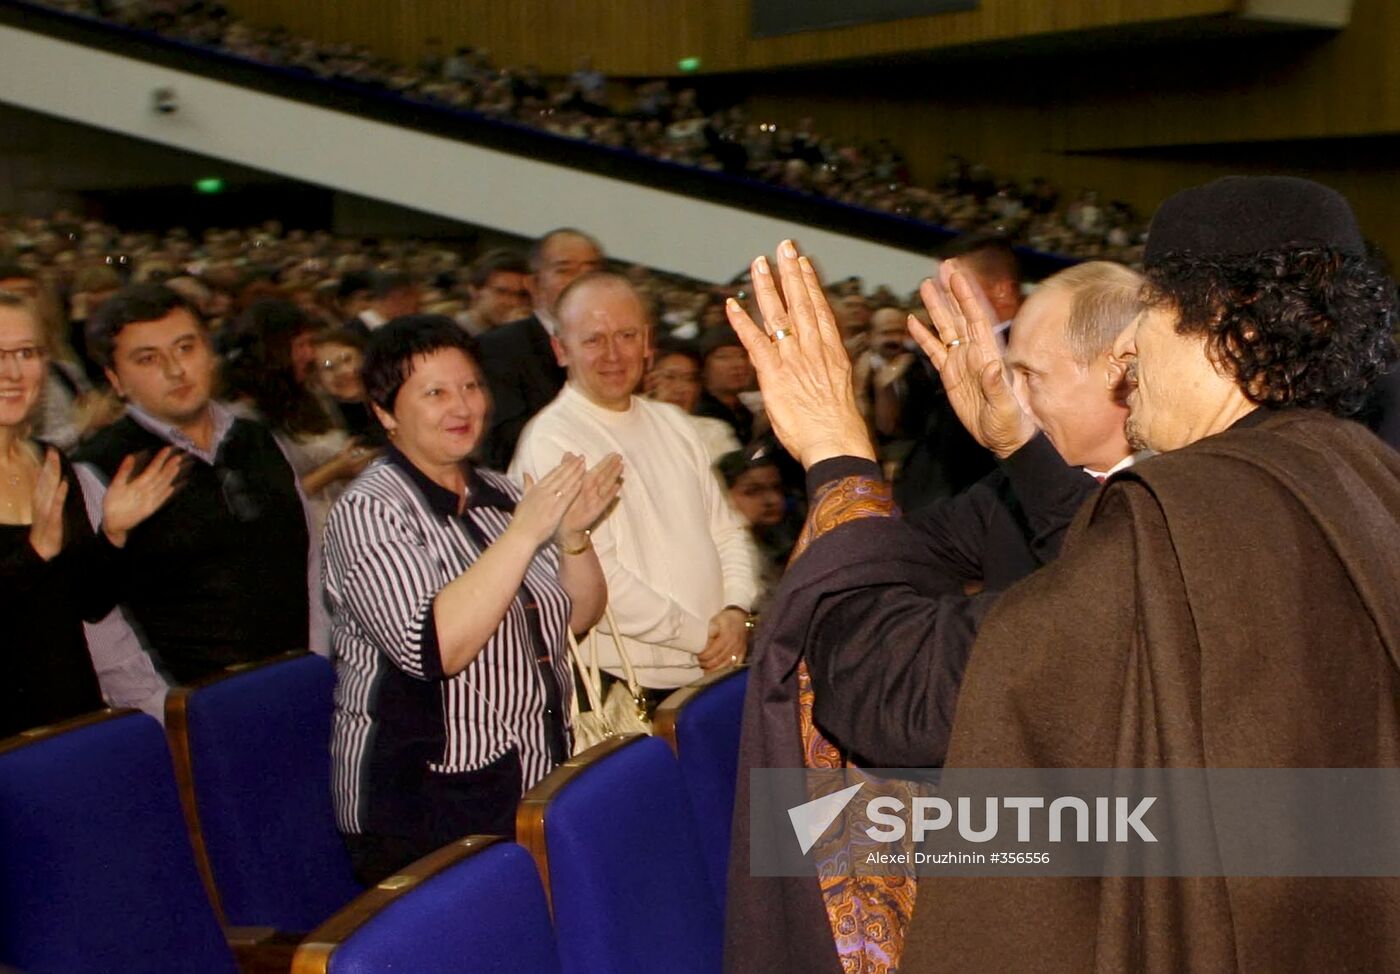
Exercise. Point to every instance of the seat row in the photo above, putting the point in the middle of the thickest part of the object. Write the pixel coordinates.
(111, 865)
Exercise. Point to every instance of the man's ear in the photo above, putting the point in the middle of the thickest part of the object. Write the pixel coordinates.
(560, 356)
(532, 284)
(115, 382)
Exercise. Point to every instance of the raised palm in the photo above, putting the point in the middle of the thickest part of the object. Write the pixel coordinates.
(964, 350)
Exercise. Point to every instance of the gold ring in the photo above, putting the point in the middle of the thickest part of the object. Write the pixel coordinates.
(780, 333)
(955, 343)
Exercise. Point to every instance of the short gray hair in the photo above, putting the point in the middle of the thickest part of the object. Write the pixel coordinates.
(1104, 299)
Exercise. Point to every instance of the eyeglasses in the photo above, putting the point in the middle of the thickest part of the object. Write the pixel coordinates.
(341, 361)
(27, 355)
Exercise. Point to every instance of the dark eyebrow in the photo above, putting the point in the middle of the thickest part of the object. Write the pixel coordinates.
(154, 348)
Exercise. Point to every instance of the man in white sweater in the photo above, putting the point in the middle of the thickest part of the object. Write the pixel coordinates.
(680, 563)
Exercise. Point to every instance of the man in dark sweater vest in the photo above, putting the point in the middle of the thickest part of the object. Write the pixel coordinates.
(220, 575)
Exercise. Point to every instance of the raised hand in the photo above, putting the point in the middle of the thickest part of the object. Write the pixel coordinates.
(964, 350)
(542, 507)
(50, 491)
(132, 499)
(599, 489)
(352, 459)
(803, 368)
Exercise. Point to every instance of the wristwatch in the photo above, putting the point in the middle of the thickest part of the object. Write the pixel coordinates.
(750, 619)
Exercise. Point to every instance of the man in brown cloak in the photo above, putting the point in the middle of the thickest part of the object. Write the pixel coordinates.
(1231, 603)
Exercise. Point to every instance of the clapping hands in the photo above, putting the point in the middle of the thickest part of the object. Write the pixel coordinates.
(50, 492)
(569, 499)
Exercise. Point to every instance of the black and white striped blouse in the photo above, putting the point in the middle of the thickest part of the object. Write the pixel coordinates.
(392, 542)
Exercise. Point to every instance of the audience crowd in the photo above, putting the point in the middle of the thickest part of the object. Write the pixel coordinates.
(658, 119)
(978, 521)
(441, 469)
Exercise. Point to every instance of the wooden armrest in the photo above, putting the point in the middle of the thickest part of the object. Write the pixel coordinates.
(262, 950)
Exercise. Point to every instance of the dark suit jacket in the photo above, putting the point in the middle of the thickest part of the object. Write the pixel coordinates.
(357, 326)
(524, 377)
(946, 460)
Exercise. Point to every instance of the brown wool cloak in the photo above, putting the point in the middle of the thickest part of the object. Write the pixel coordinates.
(1232, 604)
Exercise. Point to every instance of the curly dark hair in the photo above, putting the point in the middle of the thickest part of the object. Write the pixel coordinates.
(259, 367)
(1308, 326)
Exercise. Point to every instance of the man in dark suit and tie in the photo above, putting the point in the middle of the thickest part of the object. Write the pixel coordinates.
(517, 359)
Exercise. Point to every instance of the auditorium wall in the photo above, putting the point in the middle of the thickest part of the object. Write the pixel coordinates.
(644, 37)
(454, 180)
(1129, 113)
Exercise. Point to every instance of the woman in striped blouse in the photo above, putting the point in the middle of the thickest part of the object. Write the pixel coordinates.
(450, 590)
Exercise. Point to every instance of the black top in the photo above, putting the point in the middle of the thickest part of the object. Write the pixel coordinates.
(219, 574)
(46, 674)
(524, 377)
(739, 418)
(359, 422)
(945, 460)
(990, 536)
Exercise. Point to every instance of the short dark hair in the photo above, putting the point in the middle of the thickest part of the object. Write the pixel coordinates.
(537, 248)
(341, 336)
(353, 283)
(675, 346)
(736, 463)
(384, 283)
(132, 305)
(1308, 325)
(392, 348)
(500, 261)
(989, 252)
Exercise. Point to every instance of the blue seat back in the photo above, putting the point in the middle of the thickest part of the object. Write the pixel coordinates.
(259, 751)
(485, 914)
(707, 740)
(96, 869)
(626, 873)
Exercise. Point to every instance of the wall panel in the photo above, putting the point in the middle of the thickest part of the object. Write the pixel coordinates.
(638, 37)
(1071, 117)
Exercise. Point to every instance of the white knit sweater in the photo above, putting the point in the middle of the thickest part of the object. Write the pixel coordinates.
(674, 551)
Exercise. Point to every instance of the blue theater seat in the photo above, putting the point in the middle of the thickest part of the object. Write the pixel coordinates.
(252, 746)
(614, 837)
(473, 907)
(96, 870)
(701, 723)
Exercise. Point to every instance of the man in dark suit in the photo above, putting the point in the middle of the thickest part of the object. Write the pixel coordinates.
(389, 295)
(519, 363)
(946, 460)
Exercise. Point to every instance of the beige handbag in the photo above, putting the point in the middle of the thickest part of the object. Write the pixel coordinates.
(622, 711)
